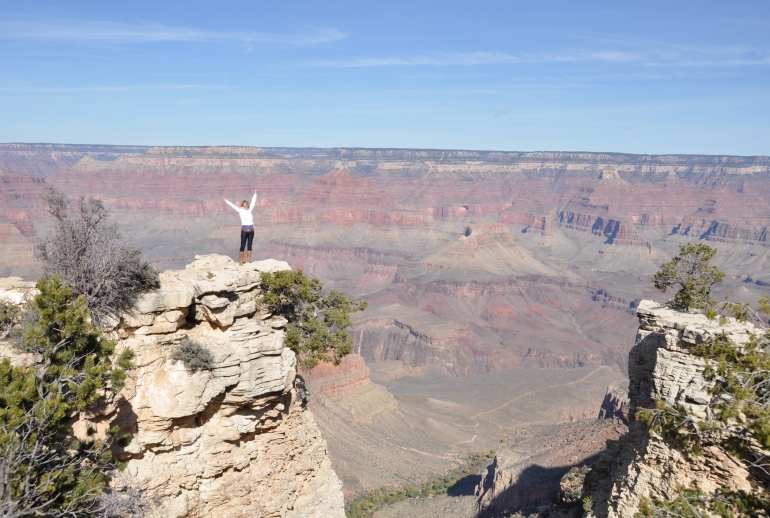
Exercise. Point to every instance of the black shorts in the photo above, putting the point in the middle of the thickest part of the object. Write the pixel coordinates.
(247, 239)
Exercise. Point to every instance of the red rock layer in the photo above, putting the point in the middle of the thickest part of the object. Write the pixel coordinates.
(503, 259)
(331, 379)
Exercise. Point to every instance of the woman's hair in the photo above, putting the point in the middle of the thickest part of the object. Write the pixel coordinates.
(244, 202)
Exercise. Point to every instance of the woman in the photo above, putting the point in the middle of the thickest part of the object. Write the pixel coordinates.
(247, 226)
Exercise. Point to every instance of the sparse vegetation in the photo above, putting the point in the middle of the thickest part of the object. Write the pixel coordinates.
(90, 255)
(694, 503)
(572, 484)
(44, 470)
(674, 424)
(693, 272)
(365, 506)
(588, 503)
(8, 314)
(740, 424)
(317, 322)
(194, 356)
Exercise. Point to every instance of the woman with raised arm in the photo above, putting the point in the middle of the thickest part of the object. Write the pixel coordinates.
(247, 226)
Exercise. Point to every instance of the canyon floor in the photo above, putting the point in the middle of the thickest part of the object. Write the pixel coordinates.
(406, 430)
(433, 507)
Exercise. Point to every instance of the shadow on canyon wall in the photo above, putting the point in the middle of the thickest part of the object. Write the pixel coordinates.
(535, 487)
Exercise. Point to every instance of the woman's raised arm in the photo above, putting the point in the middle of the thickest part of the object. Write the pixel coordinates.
(253, 201)
(230, 204)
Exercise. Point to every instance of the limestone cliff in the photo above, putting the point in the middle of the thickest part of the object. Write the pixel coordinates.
(640, 464)
(233, 441)
(662, 367)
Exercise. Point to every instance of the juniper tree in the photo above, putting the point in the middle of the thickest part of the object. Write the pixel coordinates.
(44, 470)
(693, 272)
(317, 321)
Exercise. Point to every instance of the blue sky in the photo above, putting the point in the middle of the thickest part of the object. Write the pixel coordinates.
(626, 76)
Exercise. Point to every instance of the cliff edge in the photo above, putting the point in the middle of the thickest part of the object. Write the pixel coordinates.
(661, 366)
(641, 465)
(232, 441)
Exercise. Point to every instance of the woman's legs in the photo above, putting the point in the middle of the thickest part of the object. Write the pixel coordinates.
(244, 239)
(247, 240)
(248, 246)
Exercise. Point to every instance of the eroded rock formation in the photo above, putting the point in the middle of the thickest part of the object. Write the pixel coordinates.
(639, 465)
(661, 367)
(233, 441)
(526, 475)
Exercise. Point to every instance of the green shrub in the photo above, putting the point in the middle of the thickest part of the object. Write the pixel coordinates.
(194, 356)
(693, 272)
(43, 469)
(9, 312)
(317, 321)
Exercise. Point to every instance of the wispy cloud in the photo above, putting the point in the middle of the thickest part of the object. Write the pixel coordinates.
(110, 88)
(437, 58)
(654, 55)
(107, 32)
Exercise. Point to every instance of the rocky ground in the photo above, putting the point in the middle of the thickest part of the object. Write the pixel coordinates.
(432, 507)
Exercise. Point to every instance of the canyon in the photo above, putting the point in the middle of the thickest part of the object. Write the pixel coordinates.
(489, 275)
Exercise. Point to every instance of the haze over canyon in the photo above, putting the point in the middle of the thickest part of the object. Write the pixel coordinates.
(480, 268)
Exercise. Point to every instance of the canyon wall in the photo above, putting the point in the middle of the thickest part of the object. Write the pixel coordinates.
(471, 261)
(661, 367)
(236, 440)
(639, 464)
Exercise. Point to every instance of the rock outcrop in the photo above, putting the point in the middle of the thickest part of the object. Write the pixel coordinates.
(639, 464)
(526, 475)
(662, 367)
(615, 404)
(233, 441)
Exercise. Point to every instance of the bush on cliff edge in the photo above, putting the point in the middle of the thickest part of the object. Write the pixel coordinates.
(44, 470)
(317, 322)
(693, 272)
(91, 256)
(194, 356)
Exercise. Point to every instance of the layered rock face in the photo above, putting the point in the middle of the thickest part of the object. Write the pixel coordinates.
(46, 159)
(499, 260)
(638, 465)
(233, 441)
(661, 367)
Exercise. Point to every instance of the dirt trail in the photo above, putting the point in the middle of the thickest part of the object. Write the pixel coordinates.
(537, 390)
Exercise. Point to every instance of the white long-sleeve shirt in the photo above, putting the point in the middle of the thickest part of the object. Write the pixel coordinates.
(247, 218)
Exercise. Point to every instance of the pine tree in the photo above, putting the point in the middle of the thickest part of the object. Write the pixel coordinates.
(44, 470)
(317, 322)
(693, 272)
